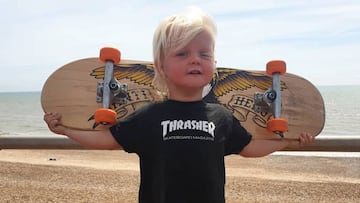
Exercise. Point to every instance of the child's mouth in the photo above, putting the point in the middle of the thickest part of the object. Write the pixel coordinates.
(195, 72)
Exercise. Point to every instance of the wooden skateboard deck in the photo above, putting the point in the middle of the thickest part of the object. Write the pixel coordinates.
(71, 90)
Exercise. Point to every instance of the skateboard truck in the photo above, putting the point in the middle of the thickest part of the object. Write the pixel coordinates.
(270, 101)
(110, 89)
(118, 92)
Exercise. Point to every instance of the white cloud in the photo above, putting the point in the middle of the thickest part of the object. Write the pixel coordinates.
(312, 36)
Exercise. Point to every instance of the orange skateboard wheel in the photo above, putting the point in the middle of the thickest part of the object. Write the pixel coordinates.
(109, 53)
(105, 116)
(276, 66)
(277, 125)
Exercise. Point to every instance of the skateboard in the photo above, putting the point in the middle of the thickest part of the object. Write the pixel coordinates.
(94, 93)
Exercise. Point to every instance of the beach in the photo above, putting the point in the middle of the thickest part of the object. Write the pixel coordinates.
(113, 176)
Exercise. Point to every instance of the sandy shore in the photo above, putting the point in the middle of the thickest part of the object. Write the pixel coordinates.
(112, 176)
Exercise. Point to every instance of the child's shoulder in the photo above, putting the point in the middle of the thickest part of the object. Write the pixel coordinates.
(216, 106)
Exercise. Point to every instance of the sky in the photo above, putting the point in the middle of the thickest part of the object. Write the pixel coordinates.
(319, 40)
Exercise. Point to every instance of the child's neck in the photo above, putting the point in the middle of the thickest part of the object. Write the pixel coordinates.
(189, 96)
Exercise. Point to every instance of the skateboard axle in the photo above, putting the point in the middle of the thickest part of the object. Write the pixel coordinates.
(277, 101)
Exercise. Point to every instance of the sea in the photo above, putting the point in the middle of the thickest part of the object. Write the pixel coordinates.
(21, 113)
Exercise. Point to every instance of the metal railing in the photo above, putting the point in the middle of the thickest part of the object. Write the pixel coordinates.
(334, 144)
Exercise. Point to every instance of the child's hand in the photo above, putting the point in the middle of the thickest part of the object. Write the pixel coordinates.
(53, 120)
(304, 140)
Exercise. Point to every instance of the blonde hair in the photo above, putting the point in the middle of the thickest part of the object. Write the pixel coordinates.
(173, 34)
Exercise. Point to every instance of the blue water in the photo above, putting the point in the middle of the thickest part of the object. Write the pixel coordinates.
(21, 113)
(342, 106)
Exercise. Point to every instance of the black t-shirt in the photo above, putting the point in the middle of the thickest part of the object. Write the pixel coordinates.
(181, 147)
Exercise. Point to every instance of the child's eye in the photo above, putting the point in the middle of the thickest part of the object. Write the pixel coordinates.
(205, 55)
(181, 54)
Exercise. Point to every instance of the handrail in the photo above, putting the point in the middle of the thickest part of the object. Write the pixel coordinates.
(329, 143)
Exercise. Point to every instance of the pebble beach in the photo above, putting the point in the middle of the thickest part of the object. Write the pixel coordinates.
(113, 176)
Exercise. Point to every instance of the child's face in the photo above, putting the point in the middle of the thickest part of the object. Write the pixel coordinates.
(190, 68)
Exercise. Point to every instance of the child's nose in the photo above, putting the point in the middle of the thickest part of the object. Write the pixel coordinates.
(195, 59)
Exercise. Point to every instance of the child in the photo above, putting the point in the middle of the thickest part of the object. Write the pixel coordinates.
(182, 141)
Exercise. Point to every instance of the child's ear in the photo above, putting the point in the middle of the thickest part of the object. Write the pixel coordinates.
(215, 63)
(159, 68)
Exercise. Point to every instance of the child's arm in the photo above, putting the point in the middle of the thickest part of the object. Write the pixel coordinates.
(92, 139)
(259, 148)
